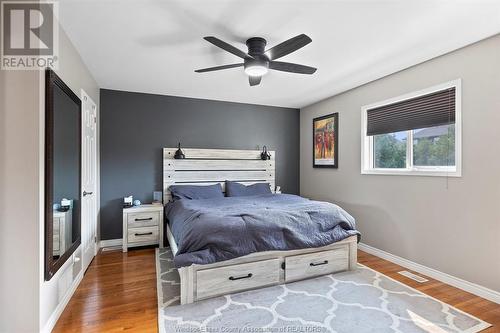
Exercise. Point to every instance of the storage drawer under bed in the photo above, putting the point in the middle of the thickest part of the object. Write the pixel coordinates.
(234, 278)
(317, 263)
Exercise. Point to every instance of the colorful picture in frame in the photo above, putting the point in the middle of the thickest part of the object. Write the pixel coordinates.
(326, 141)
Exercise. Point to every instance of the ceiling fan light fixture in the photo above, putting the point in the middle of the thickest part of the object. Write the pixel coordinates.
(257, 61)
(257, 66)
(256, 70)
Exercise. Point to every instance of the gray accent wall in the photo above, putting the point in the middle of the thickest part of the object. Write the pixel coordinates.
(66, 167)
(136, 126)
(448, 224)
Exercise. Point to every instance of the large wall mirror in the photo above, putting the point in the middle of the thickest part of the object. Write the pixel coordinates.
(62, 173)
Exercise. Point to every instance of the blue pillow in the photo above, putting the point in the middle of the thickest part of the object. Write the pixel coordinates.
(234, 189)
(196, 191)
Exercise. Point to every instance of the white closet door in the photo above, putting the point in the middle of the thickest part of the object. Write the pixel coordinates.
(89, 179)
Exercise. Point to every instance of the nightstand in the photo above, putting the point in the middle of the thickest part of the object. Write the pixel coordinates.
(142, 225)
(62, 222)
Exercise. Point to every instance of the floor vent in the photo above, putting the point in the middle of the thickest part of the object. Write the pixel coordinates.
(111, 248)
(412, 276)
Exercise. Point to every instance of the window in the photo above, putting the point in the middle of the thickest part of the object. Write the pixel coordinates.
(415, 134)
(389, 150)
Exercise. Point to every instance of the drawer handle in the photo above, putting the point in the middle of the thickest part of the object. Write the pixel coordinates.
(319, 263)
(143, 233)
(232, 278)
(145, 219)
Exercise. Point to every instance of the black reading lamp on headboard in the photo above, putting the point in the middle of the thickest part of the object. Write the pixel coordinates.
(179, 154)
(265, 155)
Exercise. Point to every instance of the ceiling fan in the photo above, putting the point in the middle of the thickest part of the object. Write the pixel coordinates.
(258, 61)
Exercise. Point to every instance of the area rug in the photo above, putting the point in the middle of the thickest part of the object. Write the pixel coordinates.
(350, 302)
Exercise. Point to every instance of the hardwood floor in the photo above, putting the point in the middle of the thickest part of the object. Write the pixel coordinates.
(118, 293)
(472, 304)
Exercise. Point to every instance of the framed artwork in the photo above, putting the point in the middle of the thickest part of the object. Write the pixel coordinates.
(326, 141)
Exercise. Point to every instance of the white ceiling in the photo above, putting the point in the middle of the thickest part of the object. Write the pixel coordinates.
(155, 46)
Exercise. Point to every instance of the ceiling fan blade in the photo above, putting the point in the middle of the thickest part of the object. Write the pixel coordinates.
(292, 68)
(217, 68)
(227, 47)
(254, 80)
(288, 46)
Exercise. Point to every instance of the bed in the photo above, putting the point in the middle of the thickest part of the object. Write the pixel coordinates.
(231, 270)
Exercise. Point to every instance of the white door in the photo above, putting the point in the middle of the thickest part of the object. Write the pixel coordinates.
(89, 179)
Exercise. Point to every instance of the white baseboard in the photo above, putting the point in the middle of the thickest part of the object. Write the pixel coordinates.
(51, 322)
(110, 242)
(470, 287)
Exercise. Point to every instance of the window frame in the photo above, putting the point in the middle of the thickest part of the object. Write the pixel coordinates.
(367, 151)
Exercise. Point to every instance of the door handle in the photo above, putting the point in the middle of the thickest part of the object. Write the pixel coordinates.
(85, 193)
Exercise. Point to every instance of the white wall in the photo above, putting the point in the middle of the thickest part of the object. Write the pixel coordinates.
(452, 225)
(28, 303)
(19, 201)
(55, 293)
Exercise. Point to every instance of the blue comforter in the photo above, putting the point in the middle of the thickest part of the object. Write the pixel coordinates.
(212, 230)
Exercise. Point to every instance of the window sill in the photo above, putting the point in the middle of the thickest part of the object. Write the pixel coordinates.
(414, 172)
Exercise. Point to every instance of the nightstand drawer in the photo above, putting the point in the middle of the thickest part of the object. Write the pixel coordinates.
(143, 219)
(55, 244)
(143, 235)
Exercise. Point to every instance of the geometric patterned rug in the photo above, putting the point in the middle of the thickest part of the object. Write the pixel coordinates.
(357, 301)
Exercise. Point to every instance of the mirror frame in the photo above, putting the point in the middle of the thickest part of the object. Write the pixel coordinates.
(51, 80)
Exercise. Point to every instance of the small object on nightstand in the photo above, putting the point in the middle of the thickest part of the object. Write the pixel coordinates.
(65, 205)
(142, 225)
(157, 197)
(127, 202)
(278, 190)
(137, 202)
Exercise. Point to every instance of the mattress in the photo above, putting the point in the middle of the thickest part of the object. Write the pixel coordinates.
(214, 230)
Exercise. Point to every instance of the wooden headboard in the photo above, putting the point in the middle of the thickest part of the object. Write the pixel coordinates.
(212, 166)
